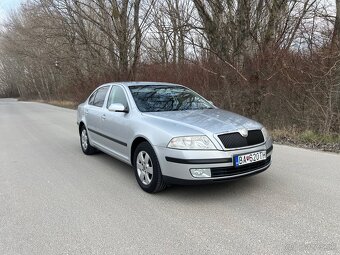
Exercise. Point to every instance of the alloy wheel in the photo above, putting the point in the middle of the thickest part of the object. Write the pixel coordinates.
(144, 167)
(84, 139)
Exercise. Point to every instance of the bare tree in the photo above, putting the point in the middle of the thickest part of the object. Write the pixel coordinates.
(270, 59)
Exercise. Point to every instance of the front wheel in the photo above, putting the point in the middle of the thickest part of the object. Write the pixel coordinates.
(147, 170)
(85, 142)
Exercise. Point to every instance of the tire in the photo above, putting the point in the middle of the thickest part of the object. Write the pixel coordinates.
(144, 160)
(85, 142)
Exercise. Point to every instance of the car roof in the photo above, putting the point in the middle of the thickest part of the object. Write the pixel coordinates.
(141, 83)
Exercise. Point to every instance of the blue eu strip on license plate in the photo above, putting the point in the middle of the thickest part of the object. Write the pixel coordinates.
(236, 160)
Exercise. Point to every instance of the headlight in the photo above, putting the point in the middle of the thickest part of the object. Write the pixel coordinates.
(200, 142)
(265, 133)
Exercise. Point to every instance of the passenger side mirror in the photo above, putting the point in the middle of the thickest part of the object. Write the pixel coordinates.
(117, 107)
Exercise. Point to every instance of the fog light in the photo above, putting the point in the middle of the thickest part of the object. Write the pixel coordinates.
(200, 172)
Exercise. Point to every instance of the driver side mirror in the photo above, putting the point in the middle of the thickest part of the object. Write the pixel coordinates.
(117, 107)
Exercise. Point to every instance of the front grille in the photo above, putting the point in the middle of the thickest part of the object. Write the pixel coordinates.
(236, 140)
(231, 170)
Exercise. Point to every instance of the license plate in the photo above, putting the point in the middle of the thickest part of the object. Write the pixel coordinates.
(240, 160)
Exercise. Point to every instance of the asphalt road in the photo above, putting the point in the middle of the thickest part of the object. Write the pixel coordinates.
(56, 200)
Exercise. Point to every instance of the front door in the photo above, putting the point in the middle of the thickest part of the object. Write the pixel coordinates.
(115, 126)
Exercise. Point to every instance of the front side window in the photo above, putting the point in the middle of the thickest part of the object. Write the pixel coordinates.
(117, 95)
(99, 98)
(159, 98)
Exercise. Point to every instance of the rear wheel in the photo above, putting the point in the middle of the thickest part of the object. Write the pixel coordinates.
(147, 170)
(85, 142)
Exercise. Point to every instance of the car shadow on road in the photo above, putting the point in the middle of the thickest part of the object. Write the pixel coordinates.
(219, 191)
(237, 188)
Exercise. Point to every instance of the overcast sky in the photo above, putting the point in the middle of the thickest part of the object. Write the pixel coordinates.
(6, 6)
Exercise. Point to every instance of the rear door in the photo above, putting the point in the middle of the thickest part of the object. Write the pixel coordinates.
(94, 112)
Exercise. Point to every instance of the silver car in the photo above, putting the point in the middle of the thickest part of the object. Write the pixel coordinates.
(171, 135)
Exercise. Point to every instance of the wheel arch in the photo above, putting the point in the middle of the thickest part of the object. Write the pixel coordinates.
(138, 140)
(81, 125)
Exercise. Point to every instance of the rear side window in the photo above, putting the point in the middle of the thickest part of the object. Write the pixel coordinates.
(91, 99)
(99, 97)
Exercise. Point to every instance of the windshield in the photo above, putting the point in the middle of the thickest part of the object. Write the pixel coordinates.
(159, 98)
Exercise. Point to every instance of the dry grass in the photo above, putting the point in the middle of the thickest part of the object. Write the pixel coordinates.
(307, 139)
(60, 103)
(66, 104)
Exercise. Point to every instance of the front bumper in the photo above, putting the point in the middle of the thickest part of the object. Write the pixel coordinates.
(176, 164)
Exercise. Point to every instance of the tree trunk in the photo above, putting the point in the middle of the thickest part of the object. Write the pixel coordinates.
(336, 31)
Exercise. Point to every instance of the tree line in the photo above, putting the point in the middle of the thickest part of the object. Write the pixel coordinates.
(274, 60)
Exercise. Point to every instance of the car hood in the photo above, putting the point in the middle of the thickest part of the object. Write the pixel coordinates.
(211, 120)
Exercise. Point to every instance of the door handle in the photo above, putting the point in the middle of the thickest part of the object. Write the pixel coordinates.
(103, 117)
(86, 112)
